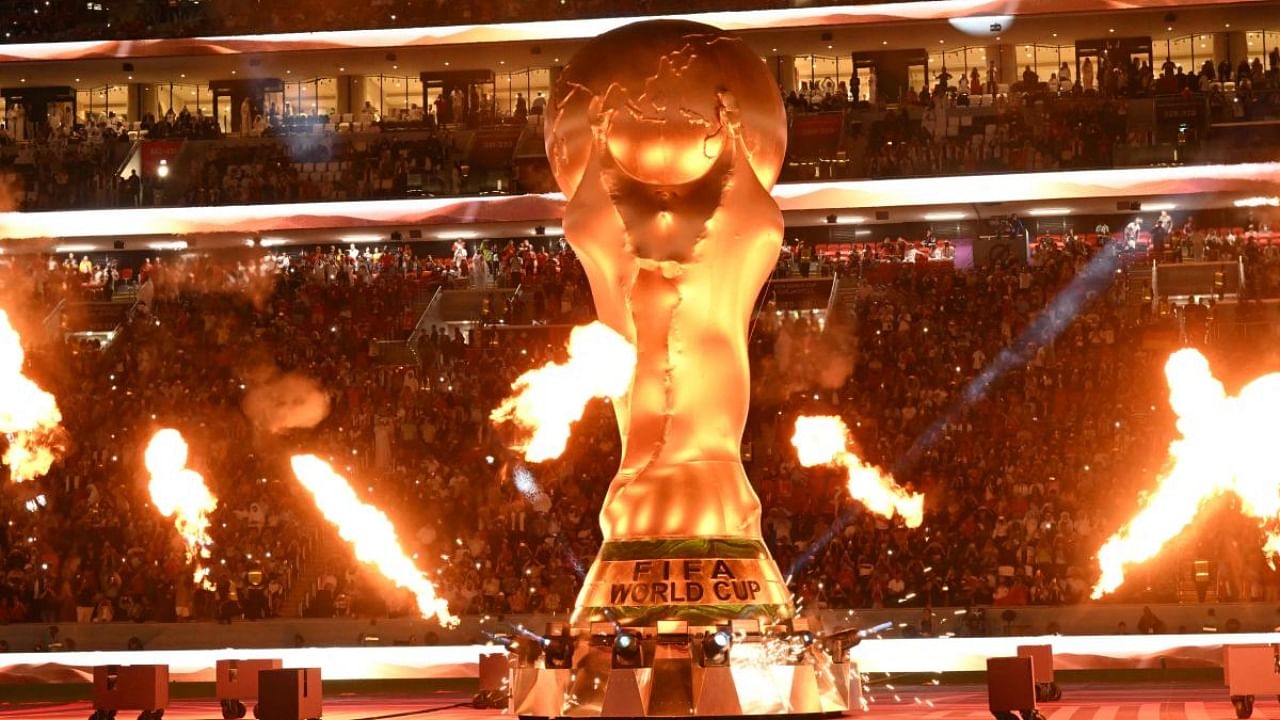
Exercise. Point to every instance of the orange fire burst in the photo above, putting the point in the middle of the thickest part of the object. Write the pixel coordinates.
(1224, 447)
(29, 416)
(824, 440)
(180, 493)
(549, 399)
(370, 532)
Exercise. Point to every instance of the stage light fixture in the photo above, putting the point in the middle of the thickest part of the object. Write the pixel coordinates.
(528, 650)
(840, 642)
(715, 647)
(628, 652)
(557, 646)
(800, 637)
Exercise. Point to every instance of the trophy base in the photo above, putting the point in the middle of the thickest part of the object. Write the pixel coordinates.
(671, 670)
(701, 581)
(683, 627)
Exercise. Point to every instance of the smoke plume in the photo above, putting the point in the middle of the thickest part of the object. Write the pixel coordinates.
(277, 402)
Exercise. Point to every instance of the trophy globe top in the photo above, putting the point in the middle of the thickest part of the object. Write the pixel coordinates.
(665, 99)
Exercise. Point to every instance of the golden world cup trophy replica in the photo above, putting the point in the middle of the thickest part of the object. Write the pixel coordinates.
(666, 138)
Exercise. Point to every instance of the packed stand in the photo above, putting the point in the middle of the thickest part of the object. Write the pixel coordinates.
(1063, 134)
(201, 332)
(1021, 485)
(1035, 126)
(73, 167)
(279, 171)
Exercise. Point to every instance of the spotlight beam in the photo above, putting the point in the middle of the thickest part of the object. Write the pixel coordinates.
(1097, 276)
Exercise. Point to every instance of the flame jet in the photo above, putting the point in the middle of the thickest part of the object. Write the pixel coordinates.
(370, 533)
(549, 399)
(29, 416)
(1225, 447)
(180, 493)
(824, 440)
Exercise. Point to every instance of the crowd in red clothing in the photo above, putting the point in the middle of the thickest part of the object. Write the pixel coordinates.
(1022, 485)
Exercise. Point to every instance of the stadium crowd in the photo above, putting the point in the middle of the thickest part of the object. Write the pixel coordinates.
(280, 171)
(323, 314)
(1064, 133)
(1022, 485)
(1031, 126)
(79, 170)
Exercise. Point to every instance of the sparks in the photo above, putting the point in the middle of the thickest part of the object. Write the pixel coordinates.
(181, 493)
(370, 533)
(824, 440)
(1224, 447)
(548, 400)
(29, 416)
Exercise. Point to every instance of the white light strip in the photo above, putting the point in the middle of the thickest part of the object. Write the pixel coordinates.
(1159, 206)
(73, 248)
(552, 30)
(547, 209)
(175, 245)
(458, 235)
(1258, 201)
(924, 655)
(250, 219)
(1039, 188)
(348, 663)
(944, 216)
(1042, 212)
(353, 239)
(1078, 652)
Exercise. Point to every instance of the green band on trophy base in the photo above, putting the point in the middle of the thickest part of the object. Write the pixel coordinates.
(683, 548)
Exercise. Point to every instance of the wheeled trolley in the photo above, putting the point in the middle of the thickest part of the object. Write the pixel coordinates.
(290, 694)
(237, 682)
(1249, 671)
(1011, 688)
(130, 687)
(1047, 689)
